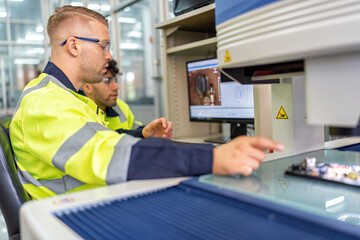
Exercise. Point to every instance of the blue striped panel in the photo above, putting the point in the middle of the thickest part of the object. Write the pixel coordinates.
(189, 212)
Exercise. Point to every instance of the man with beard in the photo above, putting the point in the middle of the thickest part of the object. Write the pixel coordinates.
(118, 115)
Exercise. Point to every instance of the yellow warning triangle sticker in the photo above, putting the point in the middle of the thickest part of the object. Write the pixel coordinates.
(227, 56)
(284, 184)
(282, 114)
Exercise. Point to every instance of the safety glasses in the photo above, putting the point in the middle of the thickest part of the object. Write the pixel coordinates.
(104, 44)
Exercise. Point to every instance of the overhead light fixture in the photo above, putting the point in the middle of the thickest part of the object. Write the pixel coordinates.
(76, 4)
(134, 34)
(105, 7)
(130, 46)
(34, 37)
(33, 51)
(39, 28)
(15, 0)
(3, 14)
(127, 20)
(93, 6)
(26, 61)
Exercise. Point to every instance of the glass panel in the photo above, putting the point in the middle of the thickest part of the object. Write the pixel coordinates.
(171, 9)
(101, 6)
(27, 33)
(35, 51)
(110, 34)
(25, 10)
(23, 71)
(135, 46)
(55, 4)
(3, 13)
(4, 76)
(3, 35)
(75, 3)
(271, 183)
(4, 50)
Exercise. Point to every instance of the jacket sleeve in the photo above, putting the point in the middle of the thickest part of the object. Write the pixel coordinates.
(160, 158)
(135, 133)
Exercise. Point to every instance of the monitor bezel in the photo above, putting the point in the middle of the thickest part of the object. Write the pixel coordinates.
(215, 120)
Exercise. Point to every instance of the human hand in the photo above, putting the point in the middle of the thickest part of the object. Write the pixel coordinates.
(158, 128)
(242, 155)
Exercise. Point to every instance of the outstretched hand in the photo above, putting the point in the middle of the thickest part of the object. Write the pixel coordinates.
(242, 155)
(158, 128)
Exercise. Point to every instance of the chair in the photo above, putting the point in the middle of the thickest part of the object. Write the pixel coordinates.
(12, 194)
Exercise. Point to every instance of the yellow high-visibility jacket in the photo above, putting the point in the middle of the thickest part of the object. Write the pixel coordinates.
(54, 158)
(121, 117)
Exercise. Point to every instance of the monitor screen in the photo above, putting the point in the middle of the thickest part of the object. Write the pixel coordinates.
(215, 98)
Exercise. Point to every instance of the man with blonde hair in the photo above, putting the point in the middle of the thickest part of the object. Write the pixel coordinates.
(60, 139)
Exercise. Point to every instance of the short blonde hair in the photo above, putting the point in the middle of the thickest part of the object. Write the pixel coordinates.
(71, 13)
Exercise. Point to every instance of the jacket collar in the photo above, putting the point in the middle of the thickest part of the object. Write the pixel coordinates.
(53, 70)
(110, 112)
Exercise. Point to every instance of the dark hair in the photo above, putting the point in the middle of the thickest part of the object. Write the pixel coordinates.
(112, 68)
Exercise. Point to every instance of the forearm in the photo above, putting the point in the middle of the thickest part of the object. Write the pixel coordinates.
(159, 158)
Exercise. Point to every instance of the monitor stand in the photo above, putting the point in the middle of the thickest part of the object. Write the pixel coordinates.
(236, 129)
(219, 140)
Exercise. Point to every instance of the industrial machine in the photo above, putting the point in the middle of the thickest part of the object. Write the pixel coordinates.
(311, 49)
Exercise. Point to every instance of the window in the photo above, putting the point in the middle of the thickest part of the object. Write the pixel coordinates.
(24, 51)
(135, 47)
(21, 48)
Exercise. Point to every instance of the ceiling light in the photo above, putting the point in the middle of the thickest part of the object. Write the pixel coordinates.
(134, 34)
(130, 46)
(26, 61)
(105, 7)
(76, 4)
(94, 6)
(39, 29)
(34, 37)
(126, 20)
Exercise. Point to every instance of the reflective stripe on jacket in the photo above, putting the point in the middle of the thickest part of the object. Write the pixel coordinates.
(123, 119)
(54, 158)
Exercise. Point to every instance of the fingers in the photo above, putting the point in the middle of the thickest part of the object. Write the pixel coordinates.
(168, 133)
(163, 122)
(263, 144)
(256, 155)
(242, 155)
(246, 170)
(154, 123)
(168, 128)
(168, 136)
(250, 163)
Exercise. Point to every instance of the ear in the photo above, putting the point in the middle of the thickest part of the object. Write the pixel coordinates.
(72, 46)
(87, 88)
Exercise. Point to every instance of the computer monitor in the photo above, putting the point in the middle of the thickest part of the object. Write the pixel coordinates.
(184, 6)
(215, 98)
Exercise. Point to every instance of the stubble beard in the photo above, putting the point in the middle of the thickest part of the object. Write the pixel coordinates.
(90, 75)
